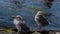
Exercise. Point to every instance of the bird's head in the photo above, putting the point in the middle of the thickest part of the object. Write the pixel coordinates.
(40, 12)
(18, 17)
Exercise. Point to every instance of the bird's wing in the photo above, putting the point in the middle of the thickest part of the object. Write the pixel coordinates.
(24, 26)
(43, 20)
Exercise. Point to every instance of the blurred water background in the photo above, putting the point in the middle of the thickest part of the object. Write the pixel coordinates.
(7, 9)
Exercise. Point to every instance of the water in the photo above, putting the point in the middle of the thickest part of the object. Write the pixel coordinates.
(28, 14)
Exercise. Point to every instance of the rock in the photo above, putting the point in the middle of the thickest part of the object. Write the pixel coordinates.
(36, 33)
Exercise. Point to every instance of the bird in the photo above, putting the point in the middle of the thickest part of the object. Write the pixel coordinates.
(48, 3)
(17, 3)
(20, 25)
(41, 20)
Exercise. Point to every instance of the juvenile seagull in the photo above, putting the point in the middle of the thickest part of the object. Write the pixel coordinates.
(41, 20)
(20, 25)
(48, 3)
(17, 4)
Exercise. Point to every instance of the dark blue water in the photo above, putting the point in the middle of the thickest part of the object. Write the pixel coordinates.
(6, 11)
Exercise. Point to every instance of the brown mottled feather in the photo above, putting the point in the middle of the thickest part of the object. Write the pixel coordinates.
(43, 21)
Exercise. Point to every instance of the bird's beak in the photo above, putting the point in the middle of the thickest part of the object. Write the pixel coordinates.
(13, 16)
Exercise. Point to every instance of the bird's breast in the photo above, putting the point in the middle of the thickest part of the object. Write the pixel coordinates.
(16, 22)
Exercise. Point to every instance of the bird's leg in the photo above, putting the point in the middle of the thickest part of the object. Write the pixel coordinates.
(18, 32)
(21, 32)
(40, 27)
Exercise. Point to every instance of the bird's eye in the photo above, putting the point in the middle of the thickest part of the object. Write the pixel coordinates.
(20, 18)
